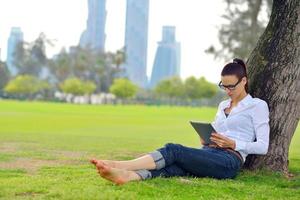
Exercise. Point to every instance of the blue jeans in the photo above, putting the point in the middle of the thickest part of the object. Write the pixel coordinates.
(177, 160)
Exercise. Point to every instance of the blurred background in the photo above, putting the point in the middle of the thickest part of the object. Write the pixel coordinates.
(124, 51)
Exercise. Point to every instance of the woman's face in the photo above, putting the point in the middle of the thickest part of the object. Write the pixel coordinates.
(232, 85)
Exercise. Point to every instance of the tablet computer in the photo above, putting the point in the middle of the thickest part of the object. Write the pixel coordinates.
(204, 130)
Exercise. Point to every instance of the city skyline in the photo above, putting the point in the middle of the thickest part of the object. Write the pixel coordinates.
(194, 31)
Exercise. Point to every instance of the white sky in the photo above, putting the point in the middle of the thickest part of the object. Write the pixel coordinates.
(196, 24)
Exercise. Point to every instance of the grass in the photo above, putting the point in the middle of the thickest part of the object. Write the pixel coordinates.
(45, 147)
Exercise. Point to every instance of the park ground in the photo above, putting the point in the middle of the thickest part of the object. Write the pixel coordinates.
(45, 148)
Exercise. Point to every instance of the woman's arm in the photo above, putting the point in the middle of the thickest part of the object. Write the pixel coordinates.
(260, 117)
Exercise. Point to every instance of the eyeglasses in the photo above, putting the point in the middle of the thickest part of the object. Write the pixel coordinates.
(229, 87)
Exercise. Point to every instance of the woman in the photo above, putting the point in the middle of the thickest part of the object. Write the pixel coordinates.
(242, 125)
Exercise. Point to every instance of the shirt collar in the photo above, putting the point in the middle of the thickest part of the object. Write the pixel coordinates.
(245, 101)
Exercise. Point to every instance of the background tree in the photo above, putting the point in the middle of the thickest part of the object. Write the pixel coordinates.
(119, 57)
(60, 66)
(199, 88)
(4, 75)
(170, 87)
(206, 89)
(30, 58)
(245, 21)
(191, 88)
(274, 73)
(86, 64)
(77, 87)
(123, 88)
(26, 86)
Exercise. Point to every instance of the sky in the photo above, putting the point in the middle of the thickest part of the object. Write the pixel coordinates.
(196, 24)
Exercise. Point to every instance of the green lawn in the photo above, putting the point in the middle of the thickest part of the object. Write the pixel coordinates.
(45, 147)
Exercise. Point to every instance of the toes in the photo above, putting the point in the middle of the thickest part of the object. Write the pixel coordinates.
(104, 169)
(100, 165)
(93, 161)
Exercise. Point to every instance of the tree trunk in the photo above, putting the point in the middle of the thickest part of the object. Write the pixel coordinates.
(274, 76)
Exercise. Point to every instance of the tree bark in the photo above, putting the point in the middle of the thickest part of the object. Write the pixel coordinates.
(274, 76)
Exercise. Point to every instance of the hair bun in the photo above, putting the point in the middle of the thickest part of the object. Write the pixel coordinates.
(239, 61)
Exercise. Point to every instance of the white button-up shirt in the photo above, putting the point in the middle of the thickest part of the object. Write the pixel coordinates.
(247, 124)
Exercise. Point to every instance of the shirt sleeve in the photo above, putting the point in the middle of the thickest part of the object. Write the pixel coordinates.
(260, 118)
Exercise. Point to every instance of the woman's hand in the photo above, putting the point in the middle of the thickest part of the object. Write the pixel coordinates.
(202, 141)
(222, 141)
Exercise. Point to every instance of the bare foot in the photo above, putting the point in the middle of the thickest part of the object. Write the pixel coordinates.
(110, 163)
(118, 176)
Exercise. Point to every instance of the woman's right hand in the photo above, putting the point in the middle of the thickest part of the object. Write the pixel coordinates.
(210, 145)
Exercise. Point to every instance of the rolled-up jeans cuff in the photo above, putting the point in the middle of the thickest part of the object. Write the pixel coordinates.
(144, 174)
(158, 159)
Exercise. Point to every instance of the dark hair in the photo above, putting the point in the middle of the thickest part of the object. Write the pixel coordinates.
(238, 68)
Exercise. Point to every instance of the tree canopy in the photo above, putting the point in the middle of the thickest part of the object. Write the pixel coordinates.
(123, 88)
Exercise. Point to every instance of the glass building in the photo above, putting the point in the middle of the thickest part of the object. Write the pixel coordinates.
(136, 41)
(94, 35)
(15, 37)
(167, 57)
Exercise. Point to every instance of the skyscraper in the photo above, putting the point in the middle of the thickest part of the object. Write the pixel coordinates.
(136, 41)
(167, 58)
(94, 35)
(15, 37)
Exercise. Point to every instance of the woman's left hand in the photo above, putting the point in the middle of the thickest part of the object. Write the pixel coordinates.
(222, 141)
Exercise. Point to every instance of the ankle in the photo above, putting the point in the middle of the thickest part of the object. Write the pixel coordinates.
(134, 176)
